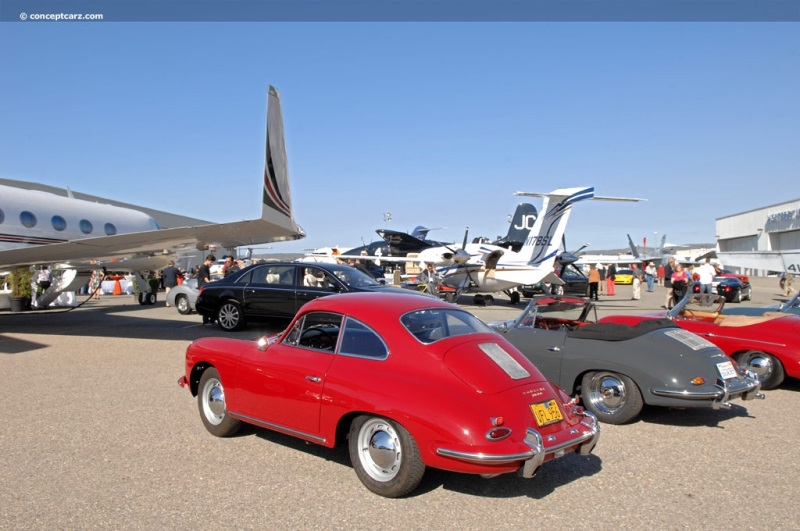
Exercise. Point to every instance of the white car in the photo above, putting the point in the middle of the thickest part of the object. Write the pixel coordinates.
(183, 297)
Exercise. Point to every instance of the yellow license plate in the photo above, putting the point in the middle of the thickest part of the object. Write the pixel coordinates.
(546, 412)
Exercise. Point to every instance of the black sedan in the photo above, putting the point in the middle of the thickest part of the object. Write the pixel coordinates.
(732, 288)
(277, 290)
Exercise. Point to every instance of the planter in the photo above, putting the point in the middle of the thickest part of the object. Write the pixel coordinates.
(19, 304)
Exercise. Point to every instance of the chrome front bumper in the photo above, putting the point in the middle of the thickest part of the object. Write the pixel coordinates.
(724, 390)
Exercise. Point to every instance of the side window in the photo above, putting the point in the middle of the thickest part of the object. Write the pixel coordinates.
(315, 277)
(110, 229)
(59, 223)
(316, 331)
(273, 275)
(245, 279)
(360, 340)
(28, 219)
(86, 226)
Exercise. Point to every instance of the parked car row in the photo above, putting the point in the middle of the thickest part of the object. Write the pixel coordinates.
(409, 381)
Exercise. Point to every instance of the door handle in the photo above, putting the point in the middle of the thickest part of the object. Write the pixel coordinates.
(315, 379)
(554, 349)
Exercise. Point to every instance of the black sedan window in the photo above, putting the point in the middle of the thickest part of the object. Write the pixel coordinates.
(360, 340)
(274, 275)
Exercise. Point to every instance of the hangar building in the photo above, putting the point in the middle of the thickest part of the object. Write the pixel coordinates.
(771, 228)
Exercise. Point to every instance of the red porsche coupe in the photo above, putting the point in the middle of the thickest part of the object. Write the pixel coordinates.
(409, 381)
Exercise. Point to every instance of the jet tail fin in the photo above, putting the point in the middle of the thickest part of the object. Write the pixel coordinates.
(634, 251)
(277, 198)
(544, 240)
(522, 222)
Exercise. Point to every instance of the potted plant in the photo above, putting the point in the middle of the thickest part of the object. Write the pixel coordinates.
(19, 281)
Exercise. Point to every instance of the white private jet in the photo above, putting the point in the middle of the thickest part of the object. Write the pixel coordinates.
(77, 236)
(484, 268)
(492, 269)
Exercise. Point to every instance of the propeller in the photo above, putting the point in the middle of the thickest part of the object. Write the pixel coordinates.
(459, 256)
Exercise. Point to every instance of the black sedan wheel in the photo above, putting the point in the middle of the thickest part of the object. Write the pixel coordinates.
(230, 316)
(385, 457)
(766, 366)
(182, 304)
(613, 398)
(213, 409)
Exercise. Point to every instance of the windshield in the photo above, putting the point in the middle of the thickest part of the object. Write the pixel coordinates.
(355, 278)
(435, 324)
(565, 309)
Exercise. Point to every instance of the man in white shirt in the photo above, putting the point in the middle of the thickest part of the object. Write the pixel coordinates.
(706, 273)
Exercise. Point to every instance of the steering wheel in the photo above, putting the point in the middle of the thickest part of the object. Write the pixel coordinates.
(317, 338)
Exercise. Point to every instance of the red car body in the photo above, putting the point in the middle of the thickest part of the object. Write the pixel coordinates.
(467, 399)
(768, 344)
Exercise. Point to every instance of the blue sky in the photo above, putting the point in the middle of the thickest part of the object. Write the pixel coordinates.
(437, 123)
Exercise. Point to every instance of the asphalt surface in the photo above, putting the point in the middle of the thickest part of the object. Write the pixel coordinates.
(96, 433)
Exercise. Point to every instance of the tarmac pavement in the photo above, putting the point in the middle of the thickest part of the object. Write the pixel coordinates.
(96, 433)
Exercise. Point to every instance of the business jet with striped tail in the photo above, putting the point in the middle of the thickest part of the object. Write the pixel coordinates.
(76, 236)
(492, 269)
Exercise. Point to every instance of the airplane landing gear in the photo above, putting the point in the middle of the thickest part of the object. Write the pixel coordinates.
(483, 300)
(515, 297)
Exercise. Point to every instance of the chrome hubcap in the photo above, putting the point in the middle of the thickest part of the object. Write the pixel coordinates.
(759, 363)
(607, 392)
(214, 401)
(379, 449)
(183, 304)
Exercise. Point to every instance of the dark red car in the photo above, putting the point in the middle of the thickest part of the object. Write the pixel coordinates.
(410, 382)
(767, 344)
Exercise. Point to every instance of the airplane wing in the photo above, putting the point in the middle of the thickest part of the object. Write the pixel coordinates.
(767, 260)
(276, 222)
(401, 242)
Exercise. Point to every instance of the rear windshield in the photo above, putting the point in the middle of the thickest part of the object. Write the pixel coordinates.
(434, 324)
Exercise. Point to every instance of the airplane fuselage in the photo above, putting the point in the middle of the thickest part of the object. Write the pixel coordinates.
(31, 218)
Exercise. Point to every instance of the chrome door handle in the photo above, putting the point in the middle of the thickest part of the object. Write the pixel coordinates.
(315, 379)
(554, 349)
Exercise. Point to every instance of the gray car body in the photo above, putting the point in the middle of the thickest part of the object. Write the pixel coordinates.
(661, 359)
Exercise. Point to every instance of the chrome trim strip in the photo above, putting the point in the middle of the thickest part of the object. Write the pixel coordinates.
(276, 427)
(484, 458)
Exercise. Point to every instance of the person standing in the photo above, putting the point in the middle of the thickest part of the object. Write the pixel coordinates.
(602, 270)
(611, 273)
(668, 270)
(636, 284)
(204, 277)
(428, 278)
(204, 273)
(706, 273)
(660, 272)
(170, 277)
(787, 284)
(594, 281)
(650, 275)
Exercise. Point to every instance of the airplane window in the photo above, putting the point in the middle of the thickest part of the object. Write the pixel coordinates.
(2, 216)
(110, 229)
(59, 223)
(86, 226)
(27, 219)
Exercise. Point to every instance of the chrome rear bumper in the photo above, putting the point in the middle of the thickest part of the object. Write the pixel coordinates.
(724, 390)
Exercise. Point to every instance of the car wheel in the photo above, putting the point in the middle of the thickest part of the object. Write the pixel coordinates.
(613, 398)
(182, 304)
(450, 297)
(766, 366)
(230, 316)
(738, 297)
(385, 457)
(213, 409)
(515, 297)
